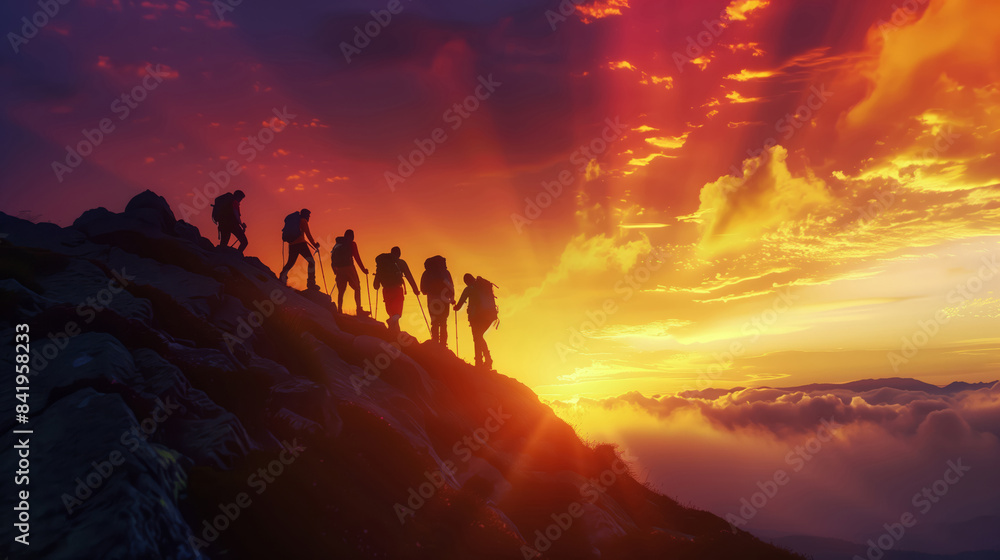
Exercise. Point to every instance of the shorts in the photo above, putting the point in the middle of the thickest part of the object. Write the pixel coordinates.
(393, 298)
(347, 275)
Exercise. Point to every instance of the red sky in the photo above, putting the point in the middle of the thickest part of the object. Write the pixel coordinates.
(797, 192)
(875, 200)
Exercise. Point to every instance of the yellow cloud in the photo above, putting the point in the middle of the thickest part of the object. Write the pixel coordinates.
(736, 211)
(669, 142)
(738, 9)
(747, 75)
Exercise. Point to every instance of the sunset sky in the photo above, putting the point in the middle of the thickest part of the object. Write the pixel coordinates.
(755, 192)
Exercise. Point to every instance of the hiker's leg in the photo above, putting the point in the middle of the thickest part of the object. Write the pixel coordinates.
(478, 342)
(393, 306)
(307, 255)
(293, 255)
(241, 236)
(224, 235)
(341, 281)
(444, 323)
(487, 358)
(355, 283)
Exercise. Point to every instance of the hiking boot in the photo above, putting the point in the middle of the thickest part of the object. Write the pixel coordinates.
(283, 278)
(363, 313)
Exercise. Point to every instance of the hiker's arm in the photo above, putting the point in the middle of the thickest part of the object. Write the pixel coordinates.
(451, 288)
(309, 235)
(461, 300)
(357, 257)
(409, 276)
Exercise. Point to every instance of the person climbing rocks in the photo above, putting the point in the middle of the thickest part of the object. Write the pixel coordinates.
(389, 273)
(483, 312)
(300, 243)
(226, 213)
(437, 285)
(342, 258)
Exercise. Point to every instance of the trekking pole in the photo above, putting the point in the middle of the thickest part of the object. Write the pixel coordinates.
(425, 317)
(368, 288)
(456, 333)
(323, 272)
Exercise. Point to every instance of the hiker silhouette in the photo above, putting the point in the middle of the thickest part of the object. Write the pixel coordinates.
(482, 313)
(437, 285)
(296, 232)
(342, 258)
(389, 273)
(226, 213)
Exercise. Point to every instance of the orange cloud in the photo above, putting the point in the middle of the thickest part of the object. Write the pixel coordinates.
(601, 9)
(735, 97)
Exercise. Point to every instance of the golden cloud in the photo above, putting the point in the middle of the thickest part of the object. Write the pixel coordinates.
(736, 211)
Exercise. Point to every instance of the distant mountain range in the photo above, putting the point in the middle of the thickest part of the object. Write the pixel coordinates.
(860, 386)
(979, 535)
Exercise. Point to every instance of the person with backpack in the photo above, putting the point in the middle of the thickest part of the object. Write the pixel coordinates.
(483, 312)
(437, 285)
(295, 233)
(389, 273)
(342, 257)
(226, 213)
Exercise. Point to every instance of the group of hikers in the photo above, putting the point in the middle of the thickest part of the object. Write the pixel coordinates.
(390, 272)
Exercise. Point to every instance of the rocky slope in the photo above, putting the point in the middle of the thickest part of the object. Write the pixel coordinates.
(185, 404)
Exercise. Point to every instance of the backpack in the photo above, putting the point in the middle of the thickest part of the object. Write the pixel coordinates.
(291, 230)
(436, 281)
(222, 208)
(387, 273)
(483, 303)
(341, 253)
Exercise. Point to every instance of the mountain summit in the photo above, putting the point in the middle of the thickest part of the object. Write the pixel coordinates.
(186, 404)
